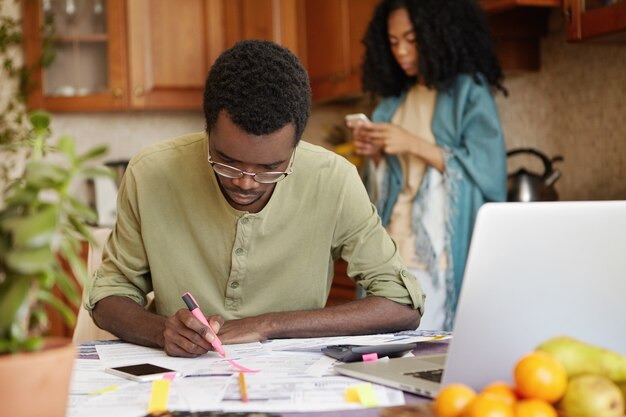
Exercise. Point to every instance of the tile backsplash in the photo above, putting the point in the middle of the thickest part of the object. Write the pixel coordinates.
(575, 106)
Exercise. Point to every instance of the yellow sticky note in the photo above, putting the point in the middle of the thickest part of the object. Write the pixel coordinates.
(103, 390)
(362, 393)
(367, 396)
(159, 396)
(351, 396)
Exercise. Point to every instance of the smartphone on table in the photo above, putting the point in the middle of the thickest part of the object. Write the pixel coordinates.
(140, 372)
(353, 119)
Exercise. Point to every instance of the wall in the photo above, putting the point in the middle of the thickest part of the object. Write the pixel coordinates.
(8, 85)
(574, 107)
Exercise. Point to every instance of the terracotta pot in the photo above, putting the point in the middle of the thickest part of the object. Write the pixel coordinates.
(37, 383)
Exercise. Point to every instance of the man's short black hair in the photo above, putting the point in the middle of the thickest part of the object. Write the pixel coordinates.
(261, 85)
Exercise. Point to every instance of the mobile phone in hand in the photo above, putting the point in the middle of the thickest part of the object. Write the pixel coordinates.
(353, 119)
(140, 372)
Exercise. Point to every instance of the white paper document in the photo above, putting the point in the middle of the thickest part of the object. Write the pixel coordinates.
(294, 376)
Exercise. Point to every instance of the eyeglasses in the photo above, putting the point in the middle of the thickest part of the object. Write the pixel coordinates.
(261, 177)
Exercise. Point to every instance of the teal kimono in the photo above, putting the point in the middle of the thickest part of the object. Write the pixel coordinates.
(467, 127)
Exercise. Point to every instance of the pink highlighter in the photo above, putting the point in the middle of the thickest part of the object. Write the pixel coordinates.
(192, 305)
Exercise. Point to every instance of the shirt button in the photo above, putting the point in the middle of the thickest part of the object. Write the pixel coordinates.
(244, 220)
(234, 285)
(403, 273)
(238, 251)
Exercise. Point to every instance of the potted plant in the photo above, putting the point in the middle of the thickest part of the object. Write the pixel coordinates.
(41, 222)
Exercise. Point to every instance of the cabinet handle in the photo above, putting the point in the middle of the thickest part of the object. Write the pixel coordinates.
(567, 10)
(118, 92)
(139, 91)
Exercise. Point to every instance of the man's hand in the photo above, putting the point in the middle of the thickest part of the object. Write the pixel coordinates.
(246, 330)
(185, 336)
(179, 335)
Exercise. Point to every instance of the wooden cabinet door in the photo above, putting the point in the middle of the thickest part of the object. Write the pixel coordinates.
(586, 20)
(172, 45)
(276, 20)
(89, 71)
(334, 29)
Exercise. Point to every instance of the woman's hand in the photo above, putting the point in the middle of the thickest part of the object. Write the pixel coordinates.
(392, 138)
(363, 144)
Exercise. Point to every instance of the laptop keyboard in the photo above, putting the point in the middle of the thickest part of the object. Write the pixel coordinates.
(433, 375)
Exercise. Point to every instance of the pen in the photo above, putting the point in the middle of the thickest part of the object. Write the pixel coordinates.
(242, 387)
(192, 305)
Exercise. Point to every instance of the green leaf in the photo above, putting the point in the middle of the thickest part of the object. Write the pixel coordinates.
(40, 120)
(39, 318)
(47, 278)
(34, 230)
(68, 315)
(30, 261)
(41, 174)
(80, 227)
(95, 152)
(77, 265)
(6, 345)
(13, 295)
(18, 196)
(68, 287)
(67, 145)
(97, 171)
(31, 344)
(80, 210)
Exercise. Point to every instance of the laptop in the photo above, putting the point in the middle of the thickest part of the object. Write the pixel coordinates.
(534, 271)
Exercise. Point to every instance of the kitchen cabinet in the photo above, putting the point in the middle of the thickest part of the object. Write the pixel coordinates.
(89, 71)
(334, 29)
(171, 46)
(275, 20)
(343, 289)
(494, 6)
(517, 27)
(595, 20)
(120, 55)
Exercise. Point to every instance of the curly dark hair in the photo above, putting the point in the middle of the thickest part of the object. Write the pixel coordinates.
(261, 85)
(453, 38)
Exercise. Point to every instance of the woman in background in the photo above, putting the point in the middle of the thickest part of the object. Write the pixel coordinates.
(435, 150)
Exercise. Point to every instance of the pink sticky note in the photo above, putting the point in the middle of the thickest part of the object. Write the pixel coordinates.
(370, 357)
(169, 376)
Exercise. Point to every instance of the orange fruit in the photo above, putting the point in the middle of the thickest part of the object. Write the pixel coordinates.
(534, 408)
(452, 400)
(540, 376)
(502, 390)
(488, 405)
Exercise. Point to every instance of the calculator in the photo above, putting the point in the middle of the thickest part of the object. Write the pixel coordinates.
(354, 353)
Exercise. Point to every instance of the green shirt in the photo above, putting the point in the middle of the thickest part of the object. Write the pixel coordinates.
(175, 232)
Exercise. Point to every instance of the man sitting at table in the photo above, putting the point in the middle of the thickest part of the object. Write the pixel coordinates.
(252, 232)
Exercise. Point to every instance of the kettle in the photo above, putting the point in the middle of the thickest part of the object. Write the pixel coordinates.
(526, 186)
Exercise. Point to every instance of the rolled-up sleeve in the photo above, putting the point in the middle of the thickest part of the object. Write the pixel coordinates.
(372, 256)
(124, 269)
